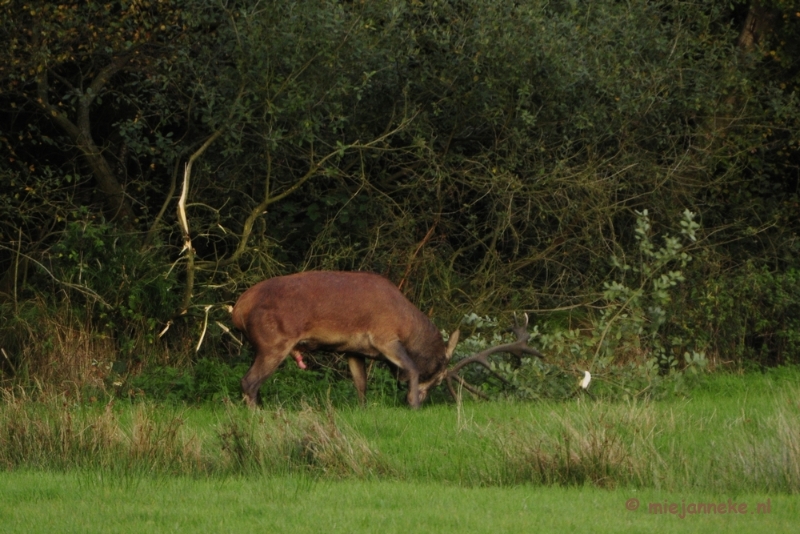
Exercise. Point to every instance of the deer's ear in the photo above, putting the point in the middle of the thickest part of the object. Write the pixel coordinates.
(451, 344)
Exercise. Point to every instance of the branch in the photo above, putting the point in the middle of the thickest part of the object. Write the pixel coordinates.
(82, 289)
(184, 221)
(151, 232)
(88, 97)
(81, 135)
(42, 88)
(414, 255)
(262, 206)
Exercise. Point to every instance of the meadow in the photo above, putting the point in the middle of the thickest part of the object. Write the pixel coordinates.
(85, 502)
(124, 466)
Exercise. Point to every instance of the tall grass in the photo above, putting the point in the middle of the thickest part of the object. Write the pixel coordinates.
(55, 434)
(145, 439)
(605, 445)
(769, 458)
(718, 442)
(645, 445)
(59, 347)
(280, 441)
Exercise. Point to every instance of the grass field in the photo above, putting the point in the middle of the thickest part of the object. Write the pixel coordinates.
(84, 502)
(500, 467)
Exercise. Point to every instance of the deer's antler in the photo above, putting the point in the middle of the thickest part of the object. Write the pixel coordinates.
(518, 348)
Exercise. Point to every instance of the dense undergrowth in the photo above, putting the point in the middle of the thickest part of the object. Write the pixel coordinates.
(626, 173)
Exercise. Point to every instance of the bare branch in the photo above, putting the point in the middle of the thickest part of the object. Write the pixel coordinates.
(269, 199)
(414, 255)
(82, 289)
(184, 221)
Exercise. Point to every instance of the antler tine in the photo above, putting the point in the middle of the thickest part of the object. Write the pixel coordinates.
(448, 379)
(521, 330)
(516, 323)
(466, 385)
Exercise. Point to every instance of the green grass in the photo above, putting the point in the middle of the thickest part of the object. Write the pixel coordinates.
(500, 466)
(733, 434)
(82, 502)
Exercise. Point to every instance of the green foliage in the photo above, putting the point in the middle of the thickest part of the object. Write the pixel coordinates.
(124, 288)
(638, 310)
(631, 347)
(322, 384)
(491, 156)
(755, 310)
(207, 380)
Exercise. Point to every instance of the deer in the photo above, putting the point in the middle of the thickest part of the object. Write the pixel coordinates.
(361, 314)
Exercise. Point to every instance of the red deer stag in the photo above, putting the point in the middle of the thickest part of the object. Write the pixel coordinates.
(361, 314)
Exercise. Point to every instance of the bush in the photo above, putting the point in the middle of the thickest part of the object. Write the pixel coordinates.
(752, 314)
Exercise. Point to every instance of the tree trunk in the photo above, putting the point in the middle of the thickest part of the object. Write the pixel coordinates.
(117, 206)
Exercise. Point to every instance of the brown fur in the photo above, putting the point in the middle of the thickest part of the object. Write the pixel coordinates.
(362, 314)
